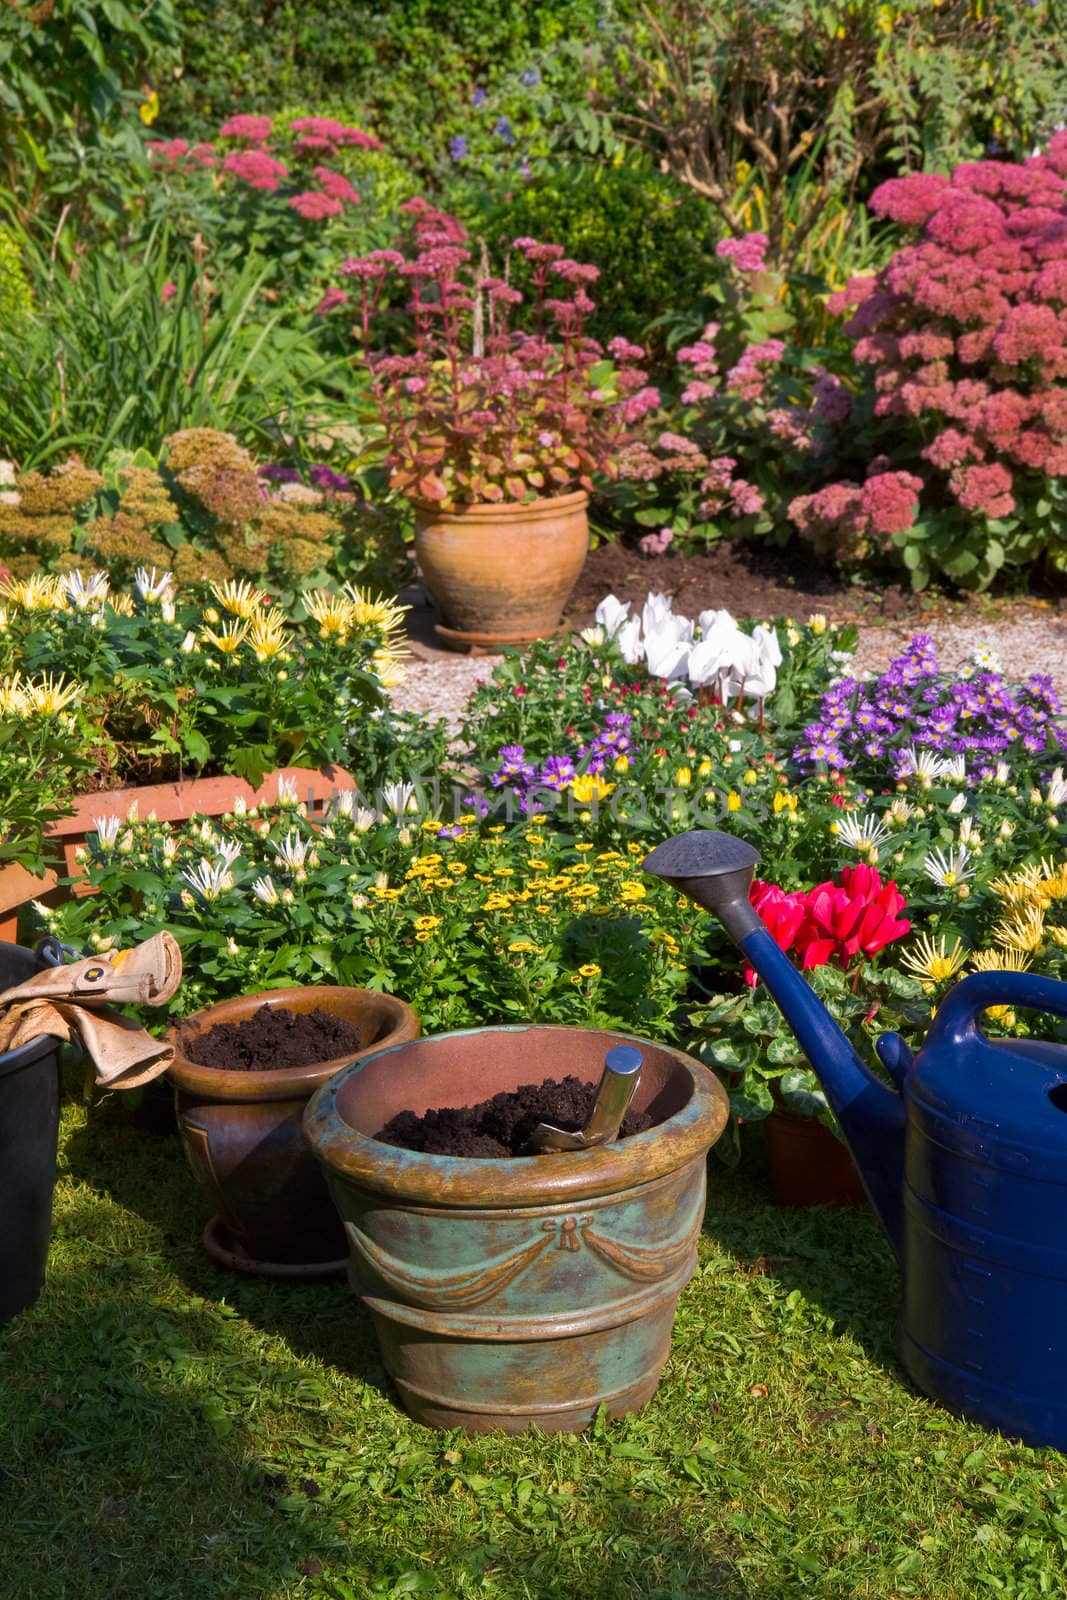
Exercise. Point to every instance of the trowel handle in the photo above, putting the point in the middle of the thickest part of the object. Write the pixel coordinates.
(957, 1016)
(622, 1069)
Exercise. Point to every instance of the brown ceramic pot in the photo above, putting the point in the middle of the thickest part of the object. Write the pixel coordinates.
(808, 1166)
(501, 574)
(242, 1134)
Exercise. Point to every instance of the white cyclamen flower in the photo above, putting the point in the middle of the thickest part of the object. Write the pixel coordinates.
(862, 833)
(948, 868)
(610, 615)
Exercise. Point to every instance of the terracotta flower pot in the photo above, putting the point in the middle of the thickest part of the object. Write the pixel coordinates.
(808, 1166)
(501, 574)
(242, 1134)
(198, 797)
(17, 888)
(526, 1291)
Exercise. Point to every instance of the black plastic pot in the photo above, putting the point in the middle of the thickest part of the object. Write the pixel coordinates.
(29, 1134)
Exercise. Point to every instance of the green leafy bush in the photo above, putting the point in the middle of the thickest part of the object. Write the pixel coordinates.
(652, 242)
(862, 86)
(72, 77)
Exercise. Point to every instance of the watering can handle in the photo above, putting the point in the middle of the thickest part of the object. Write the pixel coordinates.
(957, 1016)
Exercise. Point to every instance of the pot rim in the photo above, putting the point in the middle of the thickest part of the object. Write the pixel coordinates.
(280, 1083)
(487, 1184)
(503, 510)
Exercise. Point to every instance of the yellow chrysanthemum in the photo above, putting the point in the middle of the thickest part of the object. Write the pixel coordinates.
(385, 615)
(523, 946)
(631, 892)
(930, 959)
(1001, 960)
(1024, 929)
(230, 637)
(335, 616)
(121, 604)
(589, 970)
(238, 597)
(267, 637)
(390, 667)
(41, 592)
(587, 786)
(1058, 936)
(783, 802)
(424, 924)
(50, 694)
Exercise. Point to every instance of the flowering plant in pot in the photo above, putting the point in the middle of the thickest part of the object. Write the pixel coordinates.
(493, 433)
(837, 929)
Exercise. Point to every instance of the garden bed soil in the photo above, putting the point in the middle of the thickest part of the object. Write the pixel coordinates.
(502, 1126)
(274, 1038)
(757, 580)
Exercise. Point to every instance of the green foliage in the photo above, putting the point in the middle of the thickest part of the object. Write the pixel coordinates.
(863, 86)
(651, 241)
(106, 360)
(16, 296)
(71, 81)
(407, 67)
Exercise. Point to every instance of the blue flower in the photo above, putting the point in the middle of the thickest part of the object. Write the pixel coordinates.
(458, 148)
(504, 130)
(530, 77)
(477, 97)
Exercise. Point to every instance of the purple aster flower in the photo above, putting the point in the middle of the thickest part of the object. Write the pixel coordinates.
(503, 130)
(325, 478)
(557, 772)
(457, 148)
(530, 77)
(477, 97)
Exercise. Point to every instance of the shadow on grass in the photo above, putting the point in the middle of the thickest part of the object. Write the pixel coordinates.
(838, 1257)
(148, 1174)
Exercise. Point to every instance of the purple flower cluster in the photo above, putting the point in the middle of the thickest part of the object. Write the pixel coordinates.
(914, 706)
(521, 775)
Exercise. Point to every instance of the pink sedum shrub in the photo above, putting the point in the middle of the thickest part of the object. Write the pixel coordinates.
(964, 338)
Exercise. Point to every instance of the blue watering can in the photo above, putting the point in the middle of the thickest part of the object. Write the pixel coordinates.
(964, 1160)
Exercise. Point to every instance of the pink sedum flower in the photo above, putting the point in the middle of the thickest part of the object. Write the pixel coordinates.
(247, 127)
(256, 168)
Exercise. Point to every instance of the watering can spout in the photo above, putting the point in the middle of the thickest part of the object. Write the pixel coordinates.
(715, 870)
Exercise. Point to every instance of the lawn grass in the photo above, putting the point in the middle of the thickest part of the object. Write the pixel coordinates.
(171, 1432)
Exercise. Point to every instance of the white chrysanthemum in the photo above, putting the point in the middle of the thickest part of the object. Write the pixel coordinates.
(862, 833)
(264, 890)
(292, 852)
(923, 765)
(150, 586)
(1056, 793)
(399, 798)
(209, 879)
(948, 868)
(82, 591)
(107, 830)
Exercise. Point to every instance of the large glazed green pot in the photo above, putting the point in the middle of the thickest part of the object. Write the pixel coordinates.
(529, 1291)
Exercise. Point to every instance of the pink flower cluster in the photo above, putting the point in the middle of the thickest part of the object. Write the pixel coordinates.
(255, 164)
(965, 330)
(848, 520)
(721, 491)
(746, 253)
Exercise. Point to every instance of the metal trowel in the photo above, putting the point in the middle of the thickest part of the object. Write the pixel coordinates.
(622, 1070)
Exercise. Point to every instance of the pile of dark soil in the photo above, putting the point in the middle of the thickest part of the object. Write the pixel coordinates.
(502, 1126)
(273, 1038)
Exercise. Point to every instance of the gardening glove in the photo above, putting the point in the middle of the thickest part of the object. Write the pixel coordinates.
(73, 1001)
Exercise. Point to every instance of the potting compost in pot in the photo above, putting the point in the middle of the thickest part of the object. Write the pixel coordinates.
(275, 1037)
(503, 1124)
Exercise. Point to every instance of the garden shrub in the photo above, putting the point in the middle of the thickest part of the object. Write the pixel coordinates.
(203, 510)
(16, 296)
(963, 338)
(72, 82)
(408, 67)
(651, 241)
(842, 90)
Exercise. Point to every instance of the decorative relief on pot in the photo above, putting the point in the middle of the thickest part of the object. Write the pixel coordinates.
(436, 1291)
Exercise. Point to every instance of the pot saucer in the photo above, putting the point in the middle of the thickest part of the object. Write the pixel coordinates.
(226, 1251)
